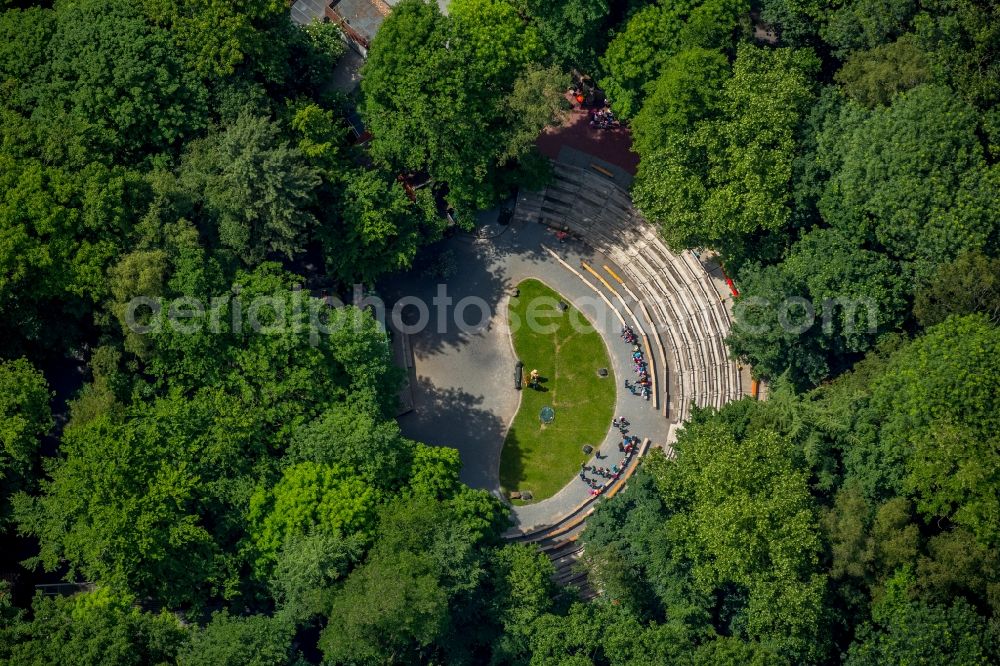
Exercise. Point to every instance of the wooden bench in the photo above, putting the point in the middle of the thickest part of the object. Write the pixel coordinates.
(601, 170)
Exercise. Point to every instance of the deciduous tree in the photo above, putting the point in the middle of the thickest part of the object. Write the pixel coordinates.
(310, 498)
(911, 179)
(436, 94)
(688, 90)
(969, 284)
(109, 65)
(97, 628)
(942, 420)
(875, 76)
(732, 176)
(570, 29)
(402, 603)
(906, 631)
(381, 229)
(24, 416)
(254, 187)
(254, 640)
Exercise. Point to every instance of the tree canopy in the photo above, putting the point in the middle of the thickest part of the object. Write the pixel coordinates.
(925, 199)
(435, 95)
(841, 521)
(24, 416)
(205, 449)
(732, 174)
(637, 54)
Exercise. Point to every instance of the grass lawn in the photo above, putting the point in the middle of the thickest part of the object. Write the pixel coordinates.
(544, 458)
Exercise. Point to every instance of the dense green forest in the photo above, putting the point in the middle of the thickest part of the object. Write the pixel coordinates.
(237, 498)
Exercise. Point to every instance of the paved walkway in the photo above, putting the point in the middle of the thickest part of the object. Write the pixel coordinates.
(463, 381)
(610, 146)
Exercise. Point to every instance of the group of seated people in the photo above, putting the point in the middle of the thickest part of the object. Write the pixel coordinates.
(603, 119)
(621, 423)
(644, 385)
(628, 446)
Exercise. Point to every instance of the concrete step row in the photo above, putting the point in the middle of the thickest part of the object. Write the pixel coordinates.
(565, 556)
(690, 315)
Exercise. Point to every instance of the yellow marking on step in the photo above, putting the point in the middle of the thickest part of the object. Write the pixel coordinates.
(613, 274)
(597, 275)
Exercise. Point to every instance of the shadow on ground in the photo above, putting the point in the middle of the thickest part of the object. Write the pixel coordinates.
(462, 378)
(512, 472)
(455, 418)
(473, 277)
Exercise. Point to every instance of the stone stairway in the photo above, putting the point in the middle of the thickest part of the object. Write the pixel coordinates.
(565, 556)
(560, 540)
(560, 543)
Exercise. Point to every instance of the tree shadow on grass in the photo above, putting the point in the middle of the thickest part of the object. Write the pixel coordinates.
(511, 462)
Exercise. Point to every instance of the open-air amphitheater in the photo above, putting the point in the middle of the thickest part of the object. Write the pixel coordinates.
(679, 304)
(684, 309)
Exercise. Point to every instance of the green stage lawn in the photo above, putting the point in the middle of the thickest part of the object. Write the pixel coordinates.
(542, 458)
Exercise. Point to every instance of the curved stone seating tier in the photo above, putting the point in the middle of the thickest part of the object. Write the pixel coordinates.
(691, 318)
(673, 302)
(558, 541)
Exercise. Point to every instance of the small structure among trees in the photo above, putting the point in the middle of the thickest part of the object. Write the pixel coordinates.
(358, 20)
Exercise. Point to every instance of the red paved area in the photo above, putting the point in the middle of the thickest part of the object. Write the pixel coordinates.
(610, 145)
